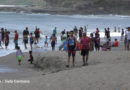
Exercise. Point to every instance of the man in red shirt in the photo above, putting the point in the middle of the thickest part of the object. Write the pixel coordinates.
(85, 43)
(16, 39)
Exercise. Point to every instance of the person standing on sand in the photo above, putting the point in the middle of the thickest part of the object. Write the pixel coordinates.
(16, 39)
(71, 45)
(53, 42)
(128, 38)
(97, 42)
(85, 43)
(31, 57)
(19, 55)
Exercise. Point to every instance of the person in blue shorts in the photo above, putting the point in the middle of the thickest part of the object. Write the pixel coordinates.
(71, 46)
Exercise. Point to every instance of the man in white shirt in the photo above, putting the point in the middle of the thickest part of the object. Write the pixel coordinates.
(128, 38)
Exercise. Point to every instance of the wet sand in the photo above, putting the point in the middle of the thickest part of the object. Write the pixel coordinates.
(106, 71)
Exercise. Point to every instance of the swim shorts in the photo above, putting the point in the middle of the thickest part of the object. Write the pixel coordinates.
(19, 58)
(53, 43)
(84, 52)
(70, 52)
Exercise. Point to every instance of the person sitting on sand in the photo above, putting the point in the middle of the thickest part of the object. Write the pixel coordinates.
(19, 55)
(97, 42)
(53, 42)
(71, 46)
(116, 43)
(31, 57)
(85, 42)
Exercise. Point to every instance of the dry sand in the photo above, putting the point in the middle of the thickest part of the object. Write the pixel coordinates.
(106, 71)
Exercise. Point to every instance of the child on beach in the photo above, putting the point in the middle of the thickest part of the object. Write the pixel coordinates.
(31, 57)
(104, 47)
(109, 45)
(46, 42)
(116, 43)
(19, 55)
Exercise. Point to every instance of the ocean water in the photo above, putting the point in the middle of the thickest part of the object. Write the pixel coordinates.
(47, 22)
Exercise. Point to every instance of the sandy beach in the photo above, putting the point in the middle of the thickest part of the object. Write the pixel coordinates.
(106, 71)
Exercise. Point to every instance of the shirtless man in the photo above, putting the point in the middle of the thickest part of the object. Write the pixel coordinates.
(53, 42)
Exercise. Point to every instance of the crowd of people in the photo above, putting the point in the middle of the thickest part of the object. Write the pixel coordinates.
(87, 43)
(72, 41)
